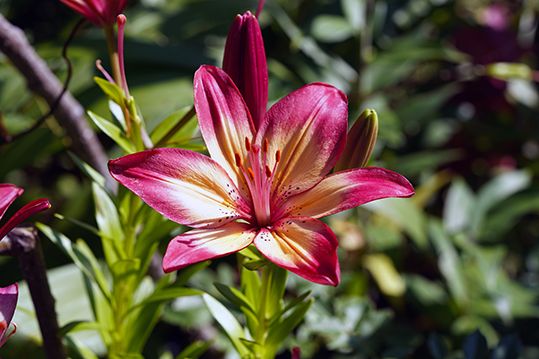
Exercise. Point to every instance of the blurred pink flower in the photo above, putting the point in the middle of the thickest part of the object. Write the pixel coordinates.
(100, 12)
(268, 186)
(8, 302)
(8, 194)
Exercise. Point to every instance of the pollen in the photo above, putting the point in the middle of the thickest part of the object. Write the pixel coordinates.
(251, 173)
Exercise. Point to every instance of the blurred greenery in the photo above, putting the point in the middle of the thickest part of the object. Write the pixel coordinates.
(450, 273)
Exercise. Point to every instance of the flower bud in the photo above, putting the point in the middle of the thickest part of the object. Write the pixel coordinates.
(245, 62)
(359, 142)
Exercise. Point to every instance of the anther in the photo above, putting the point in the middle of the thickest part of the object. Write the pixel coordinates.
(268, 171)
(237, 158)
(278, 156)
(247, 144)
(251, 173)
(266, 145)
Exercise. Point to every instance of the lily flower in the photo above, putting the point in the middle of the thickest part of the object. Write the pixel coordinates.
(268, 187)
(101, 13)
(244, 61)
(8, 194)
(8, 302)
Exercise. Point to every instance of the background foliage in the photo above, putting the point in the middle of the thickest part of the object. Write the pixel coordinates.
(451, 273)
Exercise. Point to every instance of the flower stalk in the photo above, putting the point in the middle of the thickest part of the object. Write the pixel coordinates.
(24, 244)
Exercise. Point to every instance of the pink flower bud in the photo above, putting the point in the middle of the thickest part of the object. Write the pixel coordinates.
(245, 62)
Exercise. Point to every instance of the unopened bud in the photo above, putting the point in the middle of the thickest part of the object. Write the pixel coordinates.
(245, 62)
(360, 141)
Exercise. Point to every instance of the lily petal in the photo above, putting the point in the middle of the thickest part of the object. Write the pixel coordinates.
(306, 132)
(8, 194)
(348, 189)
(184, 186)
(304, 246)
(23, 214)
(8, 302)
(224, 119)
(202, 244)
(245, 62)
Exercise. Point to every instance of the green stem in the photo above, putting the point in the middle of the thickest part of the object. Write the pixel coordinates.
(272, 284)
(262, 319)
(116, 72)
(113, 54)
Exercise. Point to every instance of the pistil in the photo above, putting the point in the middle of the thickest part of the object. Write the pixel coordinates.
(258, 177)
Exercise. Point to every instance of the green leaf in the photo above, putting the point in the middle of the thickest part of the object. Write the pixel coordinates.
(112, 91)
(458, 207)
(330, 28)
(449, 262)
(494, 192)
(280, 330)
(291, 305)
(194, 350)
(79, 256)
(354, 11)
(253, 265)
(88, 170)
(405, 214)
(113, 131)
(110, 227)
(277, 286)
(167, 294)
(77, 350)
(118, 114)
(384, 273)
(185, 128)
(230, 325)
(78, 325)
(185, 274)
(235, 297)
(124, 268)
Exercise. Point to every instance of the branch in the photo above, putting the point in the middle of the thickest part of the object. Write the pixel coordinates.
(24, 244)
(43, 82)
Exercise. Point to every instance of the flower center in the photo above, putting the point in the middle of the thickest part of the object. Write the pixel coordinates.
(259, 177)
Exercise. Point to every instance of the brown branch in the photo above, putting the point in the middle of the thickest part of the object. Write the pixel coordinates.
(24, 244)
(43, 82)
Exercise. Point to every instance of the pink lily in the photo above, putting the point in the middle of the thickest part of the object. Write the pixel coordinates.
(8, 194)
(100, 12)
(8, 295)
(268, 186)
(245, 62)
(8, 302)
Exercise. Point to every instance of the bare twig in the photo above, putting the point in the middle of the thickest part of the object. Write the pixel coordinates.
(54, 105)
(42, 81)
(24, 244)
